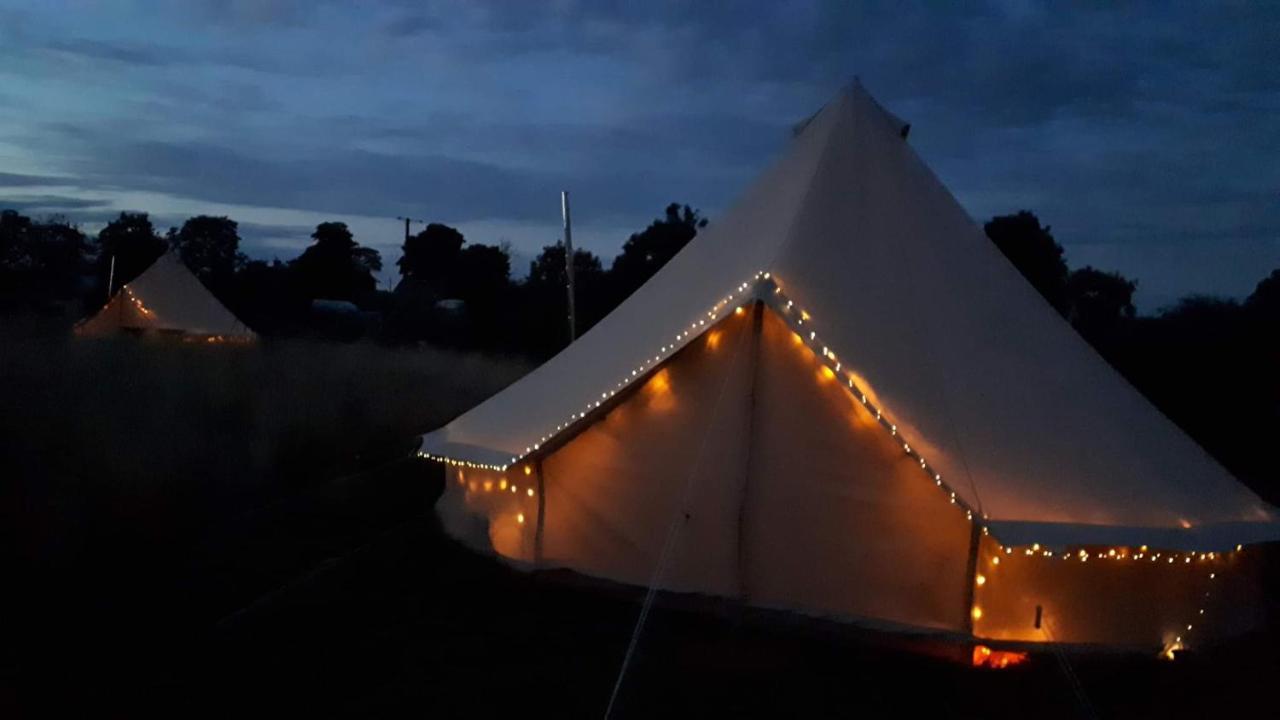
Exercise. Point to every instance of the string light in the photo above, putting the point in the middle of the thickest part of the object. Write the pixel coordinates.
(137, 302)
(778, 300)
(721, 308)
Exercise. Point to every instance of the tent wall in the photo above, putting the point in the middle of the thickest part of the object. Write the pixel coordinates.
(839, 519)
(668, 461)
(481, 509)
(778, 488)
(1134, 601)
(121, 313)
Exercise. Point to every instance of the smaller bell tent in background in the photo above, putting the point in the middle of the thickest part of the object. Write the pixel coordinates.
(166, 299)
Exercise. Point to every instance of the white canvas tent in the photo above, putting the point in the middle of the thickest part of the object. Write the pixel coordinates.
(167, 299)
(841, 399)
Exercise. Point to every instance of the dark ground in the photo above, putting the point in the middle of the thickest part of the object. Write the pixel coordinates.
(347, 600)
(298, 594)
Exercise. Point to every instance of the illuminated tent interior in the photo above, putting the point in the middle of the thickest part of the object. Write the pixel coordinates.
(166, 299)
(841, 400)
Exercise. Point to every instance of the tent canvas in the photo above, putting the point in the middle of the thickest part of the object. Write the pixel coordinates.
(168, 299)
(1033, 449)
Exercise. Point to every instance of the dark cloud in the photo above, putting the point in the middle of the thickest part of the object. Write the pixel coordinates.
(12, 180)
(96, 50)
(51, 203)
(342, 181)
(411, 25)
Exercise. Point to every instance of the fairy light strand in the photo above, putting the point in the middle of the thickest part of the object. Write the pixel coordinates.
(681, 337)
(766, 288)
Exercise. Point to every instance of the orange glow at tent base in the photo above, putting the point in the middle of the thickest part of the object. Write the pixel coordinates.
(984, 656)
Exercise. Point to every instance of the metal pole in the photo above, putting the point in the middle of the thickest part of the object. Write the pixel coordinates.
(568, 263)
(111, 277)
(971, 574)
(542, 514)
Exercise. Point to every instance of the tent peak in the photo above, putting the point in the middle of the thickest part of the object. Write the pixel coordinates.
(853, 97)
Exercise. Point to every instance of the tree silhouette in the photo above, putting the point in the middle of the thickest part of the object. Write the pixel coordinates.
(210, 247)
(1264, 301)
(645, 252)
(39, 261)
(548, 268)
(1101, 302)
(544, 307)
(482, 272)
(268, 297)
(17, 257)
(429, 259)
(1032, 249)
(132, 241)
(336, 267)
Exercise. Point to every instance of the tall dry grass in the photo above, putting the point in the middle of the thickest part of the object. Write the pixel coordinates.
(157, 440)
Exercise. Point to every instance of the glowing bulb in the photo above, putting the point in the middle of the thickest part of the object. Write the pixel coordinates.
(739, 310)
(520, 518)
(529, 492)
(980, 579)
(976, 612)
(528, 470)
(995, 560)
(502, 484)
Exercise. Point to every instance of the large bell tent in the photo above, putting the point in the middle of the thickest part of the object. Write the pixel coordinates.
(168, 300)
(840, 399)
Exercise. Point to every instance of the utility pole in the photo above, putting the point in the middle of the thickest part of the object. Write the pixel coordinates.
(111, 277)
(406, 226)
(568, 263)
(406, 236)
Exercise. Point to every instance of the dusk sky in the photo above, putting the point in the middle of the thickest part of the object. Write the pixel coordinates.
(1149, 140)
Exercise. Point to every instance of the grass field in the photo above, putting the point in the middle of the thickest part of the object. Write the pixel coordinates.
(231, 534)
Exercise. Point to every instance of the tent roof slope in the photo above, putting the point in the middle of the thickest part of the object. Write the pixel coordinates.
(169, 297)
(977, 372)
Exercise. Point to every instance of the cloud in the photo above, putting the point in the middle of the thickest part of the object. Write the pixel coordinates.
(1146, 127)
(51, 203)
(98, 50)
(11, 180)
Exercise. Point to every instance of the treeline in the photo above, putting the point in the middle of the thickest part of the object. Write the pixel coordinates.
(451, 292)
(1208, 363)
